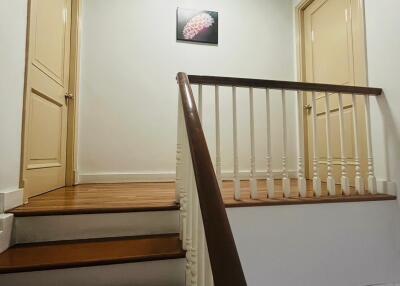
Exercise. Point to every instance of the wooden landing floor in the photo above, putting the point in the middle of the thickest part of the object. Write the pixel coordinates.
(129, 197)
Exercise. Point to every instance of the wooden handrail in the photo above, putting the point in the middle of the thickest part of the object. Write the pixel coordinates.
(224, 258)
(287, 85)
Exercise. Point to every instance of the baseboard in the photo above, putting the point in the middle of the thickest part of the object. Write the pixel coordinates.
(386, 187)
(125, 177)
(6, 225)
(88, 178)
(10, 199)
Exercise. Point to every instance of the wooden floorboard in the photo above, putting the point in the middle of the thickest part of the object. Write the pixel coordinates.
(102, 198)
(80, 253)
(263, 200)
(130, 197)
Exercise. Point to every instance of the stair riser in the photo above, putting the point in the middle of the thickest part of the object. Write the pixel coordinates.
(71, 227)
(155, 273)
(6, 223)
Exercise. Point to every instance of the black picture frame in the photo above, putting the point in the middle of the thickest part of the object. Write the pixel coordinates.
(198, 26)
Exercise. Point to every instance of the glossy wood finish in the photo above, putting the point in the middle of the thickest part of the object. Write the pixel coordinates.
(224, 258)
(287, 85)
(102, 198)
(279, 199)
(129, 197)
(80, 253)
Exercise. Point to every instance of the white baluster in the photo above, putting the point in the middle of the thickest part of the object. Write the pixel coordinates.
(186, 164)
(330, 181)
(179, 192)
(180, 132)
(202, 248)
(359, 182)
(195, 234)
(189, 241)
(285, 175)
(200, 107)
(253, 181)
(217, 139)
(270, 178)
(372, 188)
(344, 178)
(236, 180)
(301, 180)
(316, 178)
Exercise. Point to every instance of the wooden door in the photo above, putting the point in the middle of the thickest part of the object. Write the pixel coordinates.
(333, 51)
(45, 114)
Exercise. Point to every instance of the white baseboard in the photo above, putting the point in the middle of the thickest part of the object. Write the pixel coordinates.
(10, 199)
(6, 225)
(386, 187)
(88, 178)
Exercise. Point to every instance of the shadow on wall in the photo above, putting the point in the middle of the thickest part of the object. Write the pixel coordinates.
(391, 137)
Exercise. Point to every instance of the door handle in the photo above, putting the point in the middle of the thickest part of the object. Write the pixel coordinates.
(307, 107)
(68, 96)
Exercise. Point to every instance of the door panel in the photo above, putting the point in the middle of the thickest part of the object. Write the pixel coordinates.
(45, 113)
(45, 120)
(51, 25)
(331, 43)
(329, 58)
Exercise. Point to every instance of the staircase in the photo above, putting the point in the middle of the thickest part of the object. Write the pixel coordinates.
(179, 234)
(68, 237)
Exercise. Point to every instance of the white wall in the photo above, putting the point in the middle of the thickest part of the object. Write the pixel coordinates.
(383, 46)
(346, 244)
(128, 104)
(13, 16)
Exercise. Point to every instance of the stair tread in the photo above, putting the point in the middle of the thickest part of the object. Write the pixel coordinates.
(160, 196)
(102, 198)
(80, 253)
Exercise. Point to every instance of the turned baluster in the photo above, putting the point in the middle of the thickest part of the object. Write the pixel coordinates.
(253, 181)
(345, 185)
(285, 175)
(217, 138)
(330, 181)
(301, 180)
(372, 188)
(236, 179)
(270, 178)
(359, 182)
(316, 179)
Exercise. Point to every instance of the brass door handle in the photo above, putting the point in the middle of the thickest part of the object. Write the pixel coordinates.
(69, 96)
(307, 107)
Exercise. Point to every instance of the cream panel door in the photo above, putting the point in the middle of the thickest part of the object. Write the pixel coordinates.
(329, 58)
(45, 122)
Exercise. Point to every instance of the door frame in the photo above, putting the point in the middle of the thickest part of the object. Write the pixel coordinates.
(73, 88)
(359, 55)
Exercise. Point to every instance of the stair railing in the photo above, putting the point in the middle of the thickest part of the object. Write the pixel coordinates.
(322, 96)
(198, 185)
(212, 257)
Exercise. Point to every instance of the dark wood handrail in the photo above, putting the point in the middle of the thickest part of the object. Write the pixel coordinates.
(287, 85)
(224, 258)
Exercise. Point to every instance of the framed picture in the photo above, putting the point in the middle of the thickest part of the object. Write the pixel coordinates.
(197, 26)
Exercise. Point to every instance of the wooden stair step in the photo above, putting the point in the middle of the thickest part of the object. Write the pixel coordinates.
(80, 253)
(102, 198)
